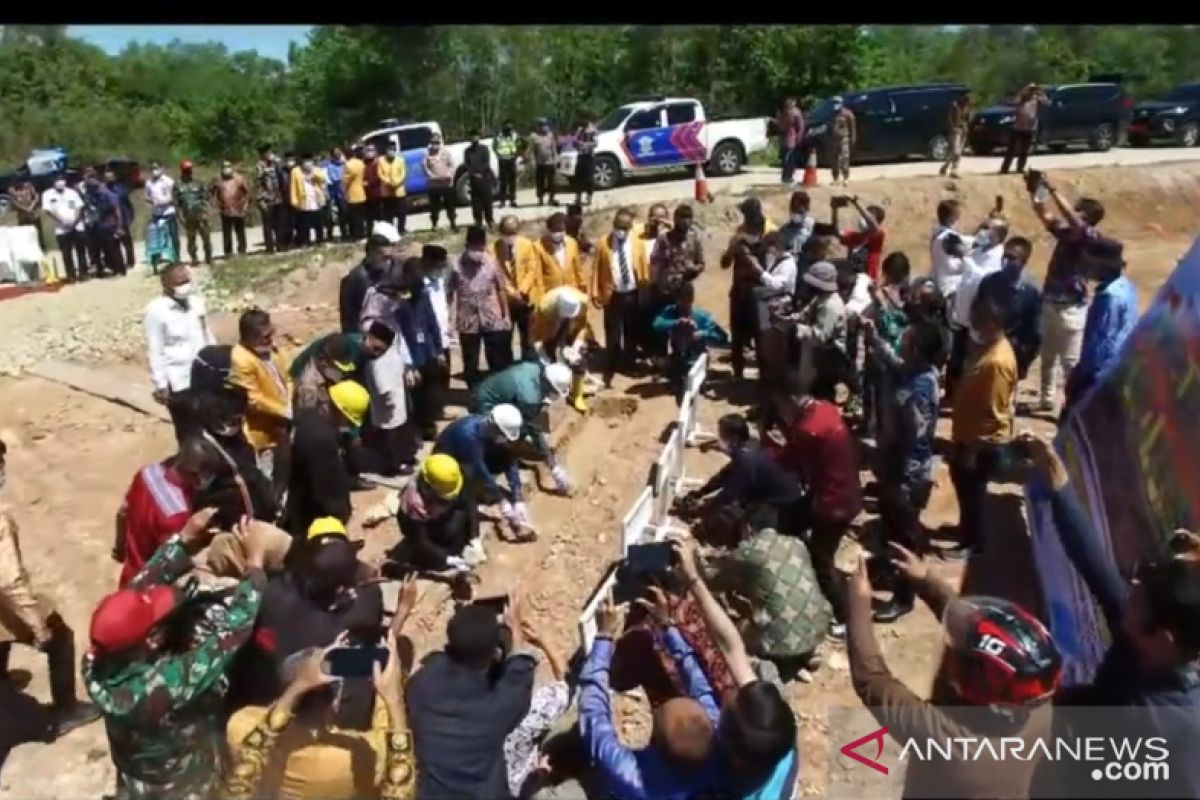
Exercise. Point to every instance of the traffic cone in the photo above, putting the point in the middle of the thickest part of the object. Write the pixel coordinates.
(703, 195)
(810, 169)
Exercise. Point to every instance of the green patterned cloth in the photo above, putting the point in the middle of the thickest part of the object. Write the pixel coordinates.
(193, 199)
(164, 717)
(794, 615)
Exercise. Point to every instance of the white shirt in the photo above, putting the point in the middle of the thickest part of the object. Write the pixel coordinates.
(947, 270)
(310, 194)
(441, 307)
(860, 295)
(560, 253)
(174, 335)
(782, 275)
(651, 245)
(621, 284)
(160, 193)
(976, 266)
(66, 208)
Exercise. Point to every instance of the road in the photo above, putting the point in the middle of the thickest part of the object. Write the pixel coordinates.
(670, 189)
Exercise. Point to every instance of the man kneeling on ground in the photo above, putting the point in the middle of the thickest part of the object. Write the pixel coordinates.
(482, 446)
(436, 521)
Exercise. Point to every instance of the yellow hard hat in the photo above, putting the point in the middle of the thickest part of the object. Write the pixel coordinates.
(442, 474)
(351, 398)
(326, 526)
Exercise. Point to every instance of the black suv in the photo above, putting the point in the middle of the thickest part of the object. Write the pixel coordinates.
(892, 122)
(1092, 114)
(127, 170)
(1174, 117)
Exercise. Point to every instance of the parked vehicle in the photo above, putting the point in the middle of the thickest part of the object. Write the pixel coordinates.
(1174, 117)
(891, 122)
(412, 140)
(44, 164)
(664, 134)
(1092, 114)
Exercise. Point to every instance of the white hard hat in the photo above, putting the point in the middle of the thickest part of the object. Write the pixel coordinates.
(559, 378)
(569, 305)
(508, 419)
(387, 230)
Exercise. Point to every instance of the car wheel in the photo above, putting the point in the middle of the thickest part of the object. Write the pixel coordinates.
(726, 159)
(938, 148)
(1189, 134)
(606, 173)
(1103, 137)
(462, 190)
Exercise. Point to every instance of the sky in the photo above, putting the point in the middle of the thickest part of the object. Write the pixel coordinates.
(270, 41)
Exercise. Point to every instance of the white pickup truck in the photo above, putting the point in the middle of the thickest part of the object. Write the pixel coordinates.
(412, 140)
(667, 133)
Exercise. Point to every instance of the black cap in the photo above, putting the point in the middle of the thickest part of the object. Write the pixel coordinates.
(434, 252)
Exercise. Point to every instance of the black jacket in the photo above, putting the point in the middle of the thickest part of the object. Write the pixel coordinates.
(477, 158)
(352, 292)
(320, 480)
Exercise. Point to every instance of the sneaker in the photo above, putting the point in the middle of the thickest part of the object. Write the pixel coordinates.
(67, 720)
(837, 632)
(892, 611)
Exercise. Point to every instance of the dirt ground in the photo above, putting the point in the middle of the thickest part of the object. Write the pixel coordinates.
(71, 457)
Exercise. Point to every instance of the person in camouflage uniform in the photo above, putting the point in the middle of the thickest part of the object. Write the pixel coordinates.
(194, 199)
(162, 700)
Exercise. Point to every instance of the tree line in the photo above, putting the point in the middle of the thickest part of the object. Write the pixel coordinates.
(203, 102)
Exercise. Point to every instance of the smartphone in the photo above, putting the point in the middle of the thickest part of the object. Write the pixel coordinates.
(355, 662)
(497, 602)
(643, 564)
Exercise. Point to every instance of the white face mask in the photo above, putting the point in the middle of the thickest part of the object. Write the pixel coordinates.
(157, 172)
(797, 218)
(620, 235)
(558, 236)
(983, 240)
(60, 185)
(182, 291)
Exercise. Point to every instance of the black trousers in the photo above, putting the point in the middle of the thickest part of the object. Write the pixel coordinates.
(1019, 143)
(824, 538)
(395, 211)
(544, 181)
(970, 478)
(73, 247)
(788, 156)
(900, 506)
(428, 399)
(337, 206)
(743, 324)
(309, 227)
(231, 226)
(585, 178)
(481, 199)
(497, 349)
(60, 659)
(653, 342)
(104, 251)
(356, 217)
(521, 313)
(443, 198)
(621, 321)
(270, 216)
(960, 343)
(508, 181)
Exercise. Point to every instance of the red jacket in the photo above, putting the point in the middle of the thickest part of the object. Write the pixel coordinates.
(821, 449)
(157, 505)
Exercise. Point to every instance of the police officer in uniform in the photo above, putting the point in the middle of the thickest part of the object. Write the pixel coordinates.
(507, 143)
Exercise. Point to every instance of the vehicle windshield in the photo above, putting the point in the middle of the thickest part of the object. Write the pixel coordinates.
(614, 119)
(1180, 94)
(821, 112)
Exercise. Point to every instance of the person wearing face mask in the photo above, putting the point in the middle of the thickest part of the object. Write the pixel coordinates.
(268, 193)
(482, 444)
(194, 200)
(981, 259)
(353, 288)
(159, 501)
(285, 167)
(843, 136)
(232, 197)
(393, 195)
(29, 618)
(982, 420)
(160, 196)
(864, 243)
(479, 292)
(561, 332)
(622, 268)
(335, 203)
(308, 191)
(373, 184)
(418, 324)
(1020, 299)
(658, 222)
(585, 165)
(575, 229)
(438, 164)
(743, 311)
(678, 258)
(259, 368)
(558, 256)
(176, 327)
(435, 265)
(326, 452)
(799, 227)
(543, 147)
(477, 159)
(65, 207)
(507, 144)
(24, 199)
(334, 358)
(523, 278)
(106, 224)
(1111, 317)
(126, 202)
(391, 377)
(355, 194)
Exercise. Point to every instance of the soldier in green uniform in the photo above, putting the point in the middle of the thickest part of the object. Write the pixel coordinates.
(194, 199)
(158, 662)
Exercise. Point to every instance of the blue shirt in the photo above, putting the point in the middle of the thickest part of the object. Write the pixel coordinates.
(917, 407)
(1022, 304)
(465, 439)
(126, 203)
(1110, 319)
(333, 171)
(683, 346)
(644, 774)
(107, 206)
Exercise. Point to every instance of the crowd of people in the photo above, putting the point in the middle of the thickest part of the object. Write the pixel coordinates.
(272, 669)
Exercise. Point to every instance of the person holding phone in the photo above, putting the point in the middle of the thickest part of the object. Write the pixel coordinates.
(329, 763)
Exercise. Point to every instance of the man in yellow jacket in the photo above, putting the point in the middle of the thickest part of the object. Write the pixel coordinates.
(558, 256)
(355, 191)
(516, 257)
(622, 268)
(561, 332)
(307, 193)
(393, 173)
(262, 371)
